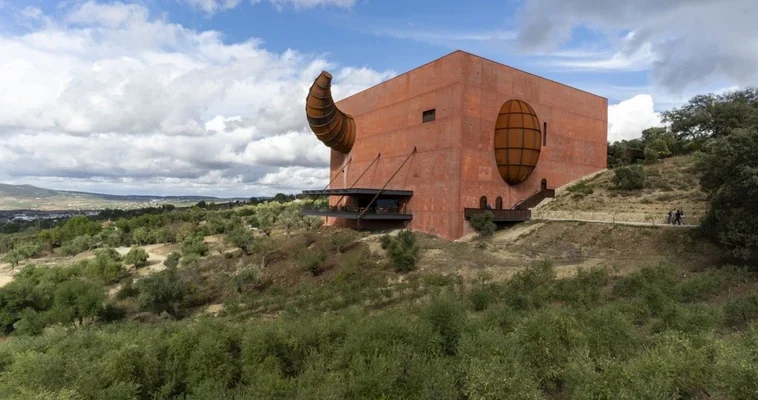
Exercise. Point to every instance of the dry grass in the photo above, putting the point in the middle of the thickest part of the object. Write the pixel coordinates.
(670, 184)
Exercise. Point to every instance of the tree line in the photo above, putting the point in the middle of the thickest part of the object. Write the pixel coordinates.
(721, 132)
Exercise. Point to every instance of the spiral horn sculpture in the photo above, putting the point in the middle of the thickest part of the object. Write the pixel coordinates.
(331, 126)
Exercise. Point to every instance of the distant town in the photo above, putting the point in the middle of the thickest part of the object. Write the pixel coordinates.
(33, 215)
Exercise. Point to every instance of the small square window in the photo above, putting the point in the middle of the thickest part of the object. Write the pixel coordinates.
(427, 116)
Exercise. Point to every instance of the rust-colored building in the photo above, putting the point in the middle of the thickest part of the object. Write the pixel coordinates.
(428, 148)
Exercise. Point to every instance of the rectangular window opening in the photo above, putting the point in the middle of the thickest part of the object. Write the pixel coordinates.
(544, 134)
(428, 115)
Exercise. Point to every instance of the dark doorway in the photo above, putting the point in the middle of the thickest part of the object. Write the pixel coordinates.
(544, 184)
(499, 203)
(483, 202)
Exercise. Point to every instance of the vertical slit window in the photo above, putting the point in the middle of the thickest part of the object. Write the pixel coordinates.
(544, 133)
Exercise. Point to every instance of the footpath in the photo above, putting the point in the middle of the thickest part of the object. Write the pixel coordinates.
(631, 223)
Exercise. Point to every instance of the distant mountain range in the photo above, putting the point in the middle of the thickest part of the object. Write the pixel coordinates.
(32, 197)
(29, 191)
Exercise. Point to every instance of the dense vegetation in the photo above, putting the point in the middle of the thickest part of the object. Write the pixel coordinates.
(651, 334)
(284, 308)
(722, 132)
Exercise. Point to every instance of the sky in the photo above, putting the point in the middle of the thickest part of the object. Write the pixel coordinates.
(206, 97)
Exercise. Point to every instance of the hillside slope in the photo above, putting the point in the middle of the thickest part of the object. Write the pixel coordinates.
(670, 184)
(15, 197)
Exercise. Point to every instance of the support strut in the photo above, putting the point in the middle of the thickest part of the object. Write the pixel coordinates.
(386, 183)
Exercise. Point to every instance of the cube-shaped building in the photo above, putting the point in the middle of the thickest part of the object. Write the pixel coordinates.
(429, 148)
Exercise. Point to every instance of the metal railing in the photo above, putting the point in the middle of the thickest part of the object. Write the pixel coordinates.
(534, 199)
(500, 215)
(405, 210)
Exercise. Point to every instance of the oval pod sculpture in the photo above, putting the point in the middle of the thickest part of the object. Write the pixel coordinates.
(518, 140)
(331, 126)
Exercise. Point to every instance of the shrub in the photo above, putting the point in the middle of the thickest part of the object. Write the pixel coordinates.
(385, 241)
(248, 276)
(482, 223)
(481, 297)
(584, 289)
(312, 222)
(629, 177)
(531, 287)
(137, 257)
(342, 239)
(651, 155)
(13, 257)
(403, 251)
(312, 260)
(76, 300)
(172, 261)
(162, 291)
(741, 311)
(194, 245)
(240, 237)
(581, 189)
(447, 316)
(80, 244)
(191, 259)
(106, 266)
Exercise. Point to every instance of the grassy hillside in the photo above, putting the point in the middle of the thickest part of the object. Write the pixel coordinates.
(543, 310)
(14, 197)
(670, 184)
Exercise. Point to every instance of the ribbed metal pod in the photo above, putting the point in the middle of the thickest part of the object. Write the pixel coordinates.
(518, 141)
(331, 126)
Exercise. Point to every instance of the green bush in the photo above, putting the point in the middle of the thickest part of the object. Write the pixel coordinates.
(342, 239)
(240, 237)
(581, 189)
(385, 241)
(584, 290)
(741, 311)
(137, 257)
(77, 300)
(162, 291)
(630, 177)
(13, 257)
(531, 287)
(172, 261)
(312, 260)
(191, 259)
(403, 251)
(482, 223)
(194, 244)
(651, 155)
(447, 316)
(106, 266)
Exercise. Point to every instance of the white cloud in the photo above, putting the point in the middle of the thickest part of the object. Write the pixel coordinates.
(627, 119)
(306, 4)
(440, 37)
(288, 177)
(639, 60)
(684, 43)
(123, 96)
(213, 6)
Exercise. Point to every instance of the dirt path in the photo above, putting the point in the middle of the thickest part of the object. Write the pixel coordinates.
(629, 223)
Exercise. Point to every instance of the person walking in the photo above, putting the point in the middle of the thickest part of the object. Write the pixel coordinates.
(670, 218)
(681, 217)
(678, 217)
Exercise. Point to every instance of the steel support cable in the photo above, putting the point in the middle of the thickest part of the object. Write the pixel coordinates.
(387, 183)
(359, 178)
(335, 177)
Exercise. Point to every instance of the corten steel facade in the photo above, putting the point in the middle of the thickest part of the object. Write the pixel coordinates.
(454, 164)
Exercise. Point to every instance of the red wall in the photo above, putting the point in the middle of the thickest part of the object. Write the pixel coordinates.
(455, 161)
